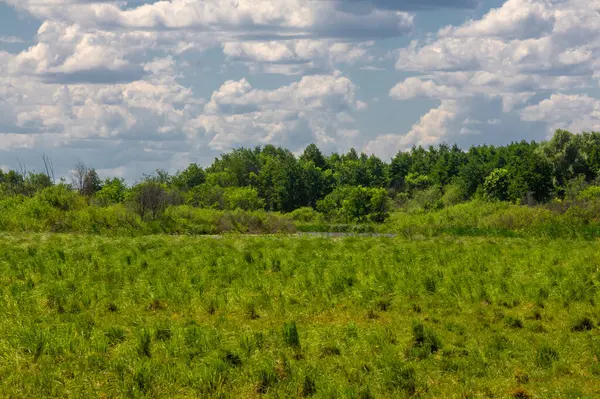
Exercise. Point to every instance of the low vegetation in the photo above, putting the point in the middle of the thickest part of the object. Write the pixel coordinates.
(358, 317)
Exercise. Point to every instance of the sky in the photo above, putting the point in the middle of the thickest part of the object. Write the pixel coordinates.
(131, 86)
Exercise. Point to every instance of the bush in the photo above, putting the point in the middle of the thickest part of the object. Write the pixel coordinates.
(359, 204)
(149, 199)
(428, 200)
(213, 196)
(589, 194)
(206, 195)
(112, 192)
(306, 215)
(454, 194)
(496, 185)
(245, 198)
(61, 197)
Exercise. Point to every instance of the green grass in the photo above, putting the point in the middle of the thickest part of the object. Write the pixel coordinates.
(500, 219)
(245, 317)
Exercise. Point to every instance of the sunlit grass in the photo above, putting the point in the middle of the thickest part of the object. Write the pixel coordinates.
(164, 316)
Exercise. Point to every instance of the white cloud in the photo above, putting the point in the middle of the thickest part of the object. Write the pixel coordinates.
(431, 129)
(267, 17)
(524, 49)
(415, 87)
(573, 112)
(515, 19)
(297, 56)
(293, 115)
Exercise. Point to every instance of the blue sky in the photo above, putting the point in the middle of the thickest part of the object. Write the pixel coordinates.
(131, 86)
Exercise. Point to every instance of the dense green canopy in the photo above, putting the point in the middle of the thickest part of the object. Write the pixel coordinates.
(352, 186)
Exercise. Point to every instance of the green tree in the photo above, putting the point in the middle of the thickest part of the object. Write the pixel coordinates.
(149, 199)
(35, 182)
(496, 185)
(189, 178)
(113, 191)
(314, 155)
(206, 195)
(356, 204)
(245, 198)
(91, 183)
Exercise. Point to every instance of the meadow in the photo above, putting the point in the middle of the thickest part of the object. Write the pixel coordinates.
(287, 316)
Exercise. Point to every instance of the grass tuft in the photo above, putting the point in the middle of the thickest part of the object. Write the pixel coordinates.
(290, 334)
(583, 324)
(144, 347)
(546, 356)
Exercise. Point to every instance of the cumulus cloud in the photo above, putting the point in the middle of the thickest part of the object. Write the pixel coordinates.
(514, 55)
(298, 56)
(310, 110)
(515, 19)
(268, 17)
(572, 112)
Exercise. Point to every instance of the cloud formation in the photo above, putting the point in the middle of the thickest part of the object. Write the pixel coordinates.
(520, 53)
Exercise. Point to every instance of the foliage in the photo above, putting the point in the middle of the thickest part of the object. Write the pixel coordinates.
(349, 187)
(245, 198)
(306, 215)
(356, 204)
(590, 193)
(495, 187)
(429, 199)
(150, 199)
(229, 198)
(113, 191)
(60, 197)
(189, 178)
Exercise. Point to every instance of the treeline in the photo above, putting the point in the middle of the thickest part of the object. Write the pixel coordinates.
(346, 188)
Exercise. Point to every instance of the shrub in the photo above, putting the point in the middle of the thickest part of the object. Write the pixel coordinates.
(150, 199)
(352, 204)
(454, 194)
(429, 199)
(496, 185)
(61, 197)
(590, 193)
(206, 195)
(113, 191)
(245, 198)
(306, 215)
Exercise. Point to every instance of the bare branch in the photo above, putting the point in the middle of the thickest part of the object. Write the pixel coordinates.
(49, 166)
(78, 176)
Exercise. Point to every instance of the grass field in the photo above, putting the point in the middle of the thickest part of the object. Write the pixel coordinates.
(163, 316)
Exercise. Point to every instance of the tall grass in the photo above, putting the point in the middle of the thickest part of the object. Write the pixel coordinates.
(178, 316)
(36, 215)
(480, 218)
